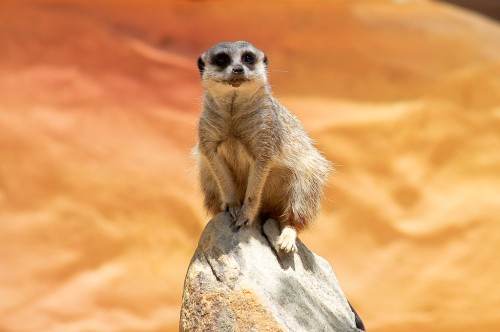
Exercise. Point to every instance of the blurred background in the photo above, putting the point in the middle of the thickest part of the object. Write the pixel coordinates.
(100, 211)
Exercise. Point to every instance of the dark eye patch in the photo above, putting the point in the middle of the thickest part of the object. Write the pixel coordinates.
(248, 58)
(221, 60)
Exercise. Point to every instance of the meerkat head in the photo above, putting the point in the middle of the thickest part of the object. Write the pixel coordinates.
(233, 65)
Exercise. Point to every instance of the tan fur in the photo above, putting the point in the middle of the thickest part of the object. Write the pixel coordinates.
(254, 156)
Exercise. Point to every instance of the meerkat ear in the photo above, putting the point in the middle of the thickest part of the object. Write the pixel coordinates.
(201, 65)
(265, 60)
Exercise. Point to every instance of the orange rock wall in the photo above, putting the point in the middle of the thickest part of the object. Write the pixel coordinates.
(99, 208)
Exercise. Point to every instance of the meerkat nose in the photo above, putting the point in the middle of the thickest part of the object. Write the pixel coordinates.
(238, 70)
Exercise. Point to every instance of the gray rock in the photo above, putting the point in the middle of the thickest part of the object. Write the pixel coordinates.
(239, 281)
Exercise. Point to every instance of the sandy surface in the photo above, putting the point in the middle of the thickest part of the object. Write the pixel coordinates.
(99, 207)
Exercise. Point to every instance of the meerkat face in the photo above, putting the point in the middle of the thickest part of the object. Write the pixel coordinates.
(230, 66)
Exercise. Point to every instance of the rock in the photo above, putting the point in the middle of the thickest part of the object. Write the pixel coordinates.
(239, 281)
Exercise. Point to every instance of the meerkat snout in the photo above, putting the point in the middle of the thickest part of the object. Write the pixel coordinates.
(238, 69)
(254, 157)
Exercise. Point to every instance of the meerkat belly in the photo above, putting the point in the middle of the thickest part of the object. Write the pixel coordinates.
(238, 160)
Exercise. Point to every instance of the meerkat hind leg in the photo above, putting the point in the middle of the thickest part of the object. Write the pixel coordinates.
(287, 239)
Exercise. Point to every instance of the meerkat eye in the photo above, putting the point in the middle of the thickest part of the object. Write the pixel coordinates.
(221, 60)
(248, 58)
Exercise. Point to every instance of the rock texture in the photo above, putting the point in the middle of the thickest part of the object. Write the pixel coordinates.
(239, 281)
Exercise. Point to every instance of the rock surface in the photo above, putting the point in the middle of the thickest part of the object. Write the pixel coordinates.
(239, 281)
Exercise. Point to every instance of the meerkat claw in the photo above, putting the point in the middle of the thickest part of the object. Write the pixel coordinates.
(241, 222)
(234, 212)
(232, 209)
(288, 246)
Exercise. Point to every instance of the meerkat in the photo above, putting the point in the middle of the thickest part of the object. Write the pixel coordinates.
(254, 157)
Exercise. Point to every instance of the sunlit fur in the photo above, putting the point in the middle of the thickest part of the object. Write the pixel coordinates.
(254, 156)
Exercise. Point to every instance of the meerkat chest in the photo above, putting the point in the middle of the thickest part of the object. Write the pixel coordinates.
(236, 155)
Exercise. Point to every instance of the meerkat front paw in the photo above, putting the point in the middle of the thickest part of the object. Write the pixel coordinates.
(287, 239)
(245, 218)
(233, 208)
